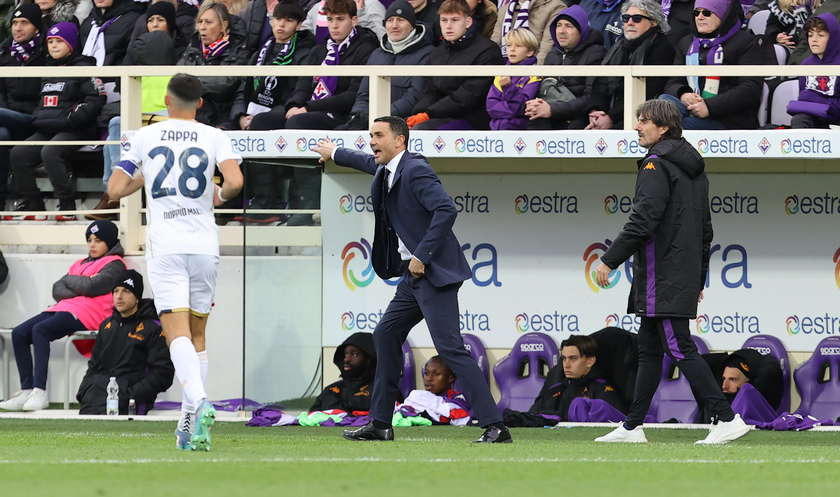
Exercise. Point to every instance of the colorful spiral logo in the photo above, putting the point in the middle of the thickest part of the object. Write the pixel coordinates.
(612, 320)
(703, 146)
(541, 147)
(521, 204)
(347, 321)
(591, 258)
(623, 147)
(345, 203)
(460, 146)
(837, 267)
(703, 324)
(611, 204)
(522, 323)
(786, 146)
(348, 254)
(792, 325)
(301, 144)
(792, 205)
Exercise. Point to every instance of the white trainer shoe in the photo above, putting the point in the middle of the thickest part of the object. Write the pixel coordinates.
(37, 400)
(724, 432)
(16, 401)
(622, 434)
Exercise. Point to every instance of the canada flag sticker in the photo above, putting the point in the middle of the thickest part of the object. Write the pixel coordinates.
(50, 100)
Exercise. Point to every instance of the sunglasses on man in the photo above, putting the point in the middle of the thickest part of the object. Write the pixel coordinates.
(637, 18)
(705, 12)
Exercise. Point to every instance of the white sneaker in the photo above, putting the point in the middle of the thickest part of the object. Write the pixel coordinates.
(15, 403)
(622, 434)
(37, 400)
(724, 432)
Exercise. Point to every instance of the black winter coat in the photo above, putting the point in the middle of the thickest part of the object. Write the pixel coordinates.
(736, 104)
(219, 91)
(285, 86)
(118, 34)
(681, 21)
(650, 49)
(21, 94)
(341, 102)
(134, 350)
(69, 103)
(591, 92)
(184, 28)
(669, 232)
(350, 394)
(460, 97)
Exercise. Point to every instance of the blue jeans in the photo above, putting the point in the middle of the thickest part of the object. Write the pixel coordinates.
(111, 153)
(13, 126)
(689, 121)
(38, 332)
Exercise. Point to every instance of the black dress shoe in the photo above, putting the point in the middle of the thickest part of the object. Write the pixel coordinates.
(493, 435)
(370, 433)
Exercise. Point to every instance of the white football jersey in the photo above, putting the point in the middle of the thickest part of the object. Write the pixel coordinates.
(177, 159)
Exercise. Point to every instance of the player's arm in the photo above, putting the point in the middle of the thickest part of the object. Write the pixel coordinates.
(123, 185)
(232, 184)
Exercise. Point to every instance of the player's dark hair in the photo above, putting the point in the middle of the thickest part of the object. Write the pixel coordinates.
(289, 9)
(662, 113)
(439, 358)
(185, 88)
(397, 124)
(585, 344)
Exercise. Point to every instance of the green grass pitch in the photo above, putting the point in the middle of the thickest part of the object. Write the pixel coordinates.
(125, 458)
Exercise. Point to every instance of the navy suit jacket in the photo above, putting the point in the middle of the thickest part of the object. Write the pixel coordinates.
(421, 214)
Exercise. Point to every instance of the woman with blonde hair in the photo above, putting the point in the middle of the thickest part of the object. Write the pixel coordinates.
(787, 18)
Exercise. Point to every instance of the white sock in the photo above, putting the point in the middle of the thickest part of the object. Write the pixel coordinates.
(202, 361)
(187, 368)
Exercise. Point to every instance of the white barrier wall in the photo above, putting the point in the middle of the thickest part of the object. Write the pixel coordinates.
(533, 242)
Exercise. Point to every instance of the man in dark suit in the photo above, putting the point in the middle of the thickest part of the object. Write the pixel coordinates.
(414, 218)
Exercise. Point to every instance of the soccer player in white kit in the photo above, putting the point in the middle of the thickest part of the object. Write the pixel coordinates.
(177, 158)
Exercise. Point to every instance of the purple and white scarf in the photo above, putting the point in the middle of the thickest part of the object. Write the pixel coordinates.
(510, 23)
(713, 58)
(95, 43)
(666, 7)
(23, 52)
(325, 85)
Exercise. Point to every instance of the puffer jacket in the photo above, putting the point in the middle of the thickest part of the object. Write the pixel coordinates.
(21, 94)
(819, 95)
(69, 103)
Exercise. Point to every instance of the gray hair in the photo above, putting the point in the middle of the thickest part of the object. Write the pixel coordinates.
(652, 9)
(662, 113)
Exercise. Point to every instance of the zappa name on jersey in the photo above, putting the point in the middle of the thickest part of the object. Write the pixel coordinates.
(170, 135)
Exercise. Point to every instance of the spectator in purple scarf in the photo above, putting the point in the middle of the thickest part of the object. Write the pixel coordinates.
(818, 104)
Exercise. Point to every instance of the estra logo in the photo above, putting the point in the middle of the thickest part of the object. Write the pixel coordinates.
(348, 203)
(546, 204)
(734, 323)
(817, 325)
(826, 204)
(561, 147)
(591, 256)
(631, 147)
(367, 321)
(350, 252)
(304, 144)
(479, 145)
(807, 146)
(553, 321)
(624, 321)
(614, 203)
(725, 146)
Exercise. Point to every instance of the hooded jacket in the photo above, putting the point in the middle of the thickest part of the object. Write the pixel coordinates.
(21, 94)
(460, 97)
(134, 350)
(118, 33)
(591, 92)
(540, 15)
(219, 91)
(802, 51)
(405, 90)
(669, 232)
(819, 95)
(344, 96)
(762, 371)
(69, 103)
(350, 394)
(285, 86)
(736, 104)
(650, 49)
(506, 106)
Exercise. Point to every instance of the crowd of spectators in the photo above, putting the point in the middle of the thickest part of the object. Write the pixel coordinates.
(388, 32)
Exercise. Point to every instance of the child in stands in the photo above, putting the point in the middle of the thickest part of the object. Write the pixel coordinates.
(818, 104)
(507, 97)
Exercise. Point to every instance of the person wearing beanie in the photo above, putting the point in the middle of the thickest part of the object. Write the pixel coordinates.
(575, 44)
(717, 39)
(84, 300)
(67, 111)
(130, 347)
(406, 43)
(161, 17)
(19, 96)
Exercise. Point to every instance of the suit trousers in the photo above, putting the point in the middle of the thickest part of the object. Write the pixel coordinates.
(660, 336)
(416, 299)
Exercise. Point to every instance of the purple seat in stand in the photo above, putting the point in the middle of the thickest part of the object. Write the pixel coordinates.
(476, 349)
(818, 381)
(521, 374)
(770, 345)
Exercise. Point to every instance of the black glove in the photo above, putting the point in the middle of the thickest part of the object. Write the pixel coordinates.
(358, 122)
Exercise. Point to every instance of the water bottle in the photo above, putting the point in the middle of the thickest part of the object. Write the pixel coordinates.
(132, 409)
(112, 404)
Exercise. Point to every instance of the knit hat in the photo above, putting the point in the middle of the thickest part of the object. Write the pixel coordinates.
(132, 281)
(103, 229)
(738, 362)
(401, 8)
(718, 7)
(165, 10)
(32, 13)
(66, 32)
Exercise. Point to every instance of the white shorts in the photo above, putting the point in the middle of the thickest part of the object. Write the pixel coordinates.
(181, 283)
